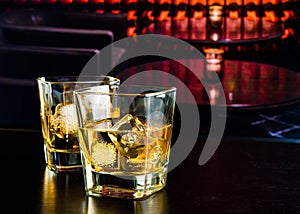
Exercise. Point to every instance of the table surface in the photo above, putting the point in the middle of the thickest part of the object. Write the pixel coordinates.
(246, 84)
(245, 175)
(233, 31)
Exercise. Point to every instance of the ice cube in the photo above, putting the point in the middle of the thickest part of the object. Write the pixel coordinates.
(133, 144)
(128, 135)
(64, 120)
(156, 156)
(129, 122)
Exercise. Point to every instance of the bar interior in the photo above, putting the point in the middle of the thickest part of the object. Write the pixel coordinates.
(236, 130)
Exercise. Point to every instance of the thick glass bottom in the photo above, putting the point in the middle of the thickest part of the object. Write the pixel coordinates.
(124, 186)
(63, 161)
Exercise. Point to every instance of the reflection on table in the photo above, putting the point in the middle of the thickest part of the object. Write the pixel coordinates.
(245, 84)
(232, 31)
(61, 192)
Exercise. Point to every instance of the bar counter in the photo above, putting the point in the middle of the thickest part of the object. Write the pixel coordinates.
(245, 175)
(234, 31)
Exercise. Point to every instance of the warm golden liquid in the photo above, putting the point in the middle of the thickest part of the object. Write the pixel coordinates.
(132, 161)
(57, 138)
(62, 151)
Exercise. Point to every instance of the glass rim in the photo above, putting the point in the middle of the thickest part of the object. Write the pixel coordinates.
(77, 79)
(161, 90)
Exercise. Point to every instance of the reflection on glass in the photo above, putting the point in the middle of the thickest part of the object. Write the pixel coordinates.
(156, 203)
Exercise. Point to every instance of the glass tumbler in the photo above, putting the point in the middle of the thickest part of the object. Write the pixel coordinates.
(58, 120)
(124, 136)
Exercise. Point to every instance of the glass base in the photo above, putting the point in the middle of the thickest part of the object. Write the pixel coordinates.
(124, 186)
(63, 161)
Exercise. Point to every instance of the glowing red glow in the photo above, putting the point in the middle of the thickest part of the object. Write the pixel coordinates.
(287, 32)
(177, 2)
(164, 1)
(35, 1)
(180, 15)
(198, 15)
(193, 2)
(256, 2)
(130, 1)
(211, 2)
(81, 1)
(270, 16)
(131, 15)
(131, 31)
(270, 1)
(251, 15)
(233, 14)
(238, 2)
(97, 1)
(164, 15)
(66, 1)
(233, 17)
(49, 1)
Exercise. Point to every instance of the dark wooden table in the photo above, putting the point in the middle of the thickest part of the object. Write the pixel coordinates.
(245, 175)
